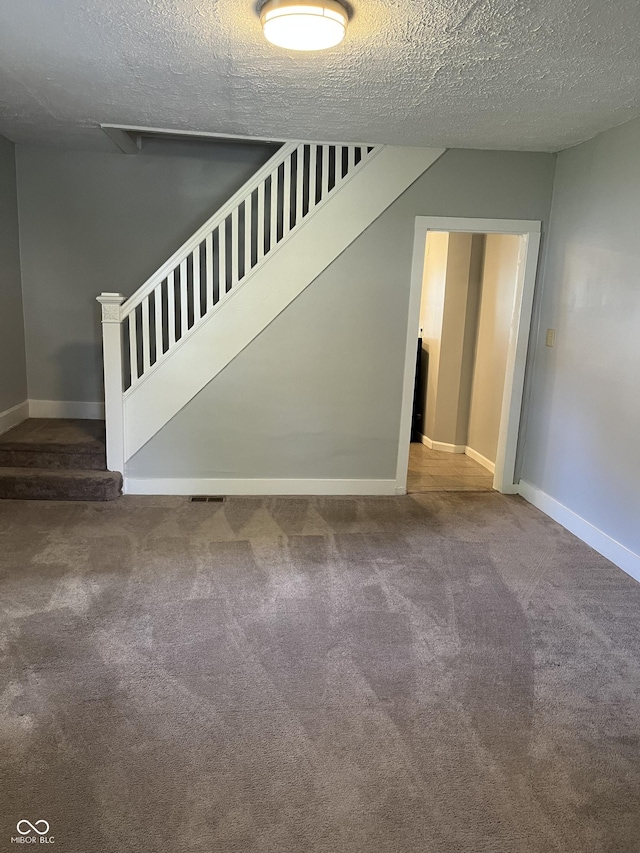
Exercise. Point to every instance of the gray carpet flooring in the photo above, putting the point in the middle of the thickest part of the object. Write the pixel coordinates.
(448, 672)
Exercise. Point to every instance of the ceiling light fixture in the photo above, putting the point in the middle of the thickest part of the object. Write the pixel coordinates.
(304, 24)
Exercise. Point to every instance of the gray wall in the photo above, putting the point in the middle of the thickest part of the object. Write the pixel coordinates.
(454, 336)
(98, 221)
(13, 378)
(458, 335)
(318, 394)
(448, 318)
(498, 288)
(582, 443)
(472, 310)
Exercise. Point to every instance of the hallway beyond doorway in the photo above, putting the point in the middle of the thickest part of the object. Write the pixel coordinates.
(505, 478)
(437, 470)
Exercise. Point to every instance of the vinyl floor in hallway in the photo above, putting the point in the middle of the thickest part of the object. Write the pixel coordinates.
(448, 672)
(435, 470)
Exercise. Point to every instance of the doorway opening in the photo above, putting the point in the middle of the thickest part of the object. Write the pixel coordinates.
(470, 316)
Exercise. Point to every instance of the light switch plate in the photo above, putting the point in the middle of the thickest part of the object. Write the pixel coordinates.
(550, 340)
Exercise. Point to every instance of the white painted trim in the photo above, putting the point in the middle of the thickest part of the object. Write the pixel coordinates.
(269, 289)
(529, 231)
(50, 409)
(477, 226)
(14, 416)
(448, 448)
(597, 539)
(210, 486)
(459, 448)
(66, 409)
(442, 445)
(408, 382)
(478, 457)
(504, 479)
(110, 304)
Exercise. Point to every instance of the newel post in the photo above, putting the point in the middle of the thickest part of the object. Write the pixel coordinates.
(113, 386)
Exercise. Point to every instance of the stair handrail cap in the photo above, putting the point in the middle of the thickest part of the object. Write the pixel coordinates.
(111, 297)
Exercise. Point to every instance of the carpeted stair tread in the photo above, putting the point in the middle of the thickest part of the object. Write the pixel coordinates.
(59, 484)
(55, 443)
(54, 459)
(49, 434)
(59, 459)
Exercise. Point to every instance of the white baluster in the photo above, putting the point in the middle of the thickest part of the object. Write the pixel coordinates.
(299, 182)
(273, 234)
(197, 301)
(351, 159)
(262, 190)
(286, 196)
(171, 308)
(157, 304)
(325, 171)
(209, 270)
(235, 228)
(146, 338)
(184, 299)
(222, 259)
(113, 384)
(248, 231)
(133, 346)
(342, 161)
(313, 174)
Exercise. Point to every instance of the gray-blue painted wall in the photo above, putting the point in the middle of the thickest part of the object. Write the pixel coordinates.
(13, 378)
(93, 222)
(582, 445)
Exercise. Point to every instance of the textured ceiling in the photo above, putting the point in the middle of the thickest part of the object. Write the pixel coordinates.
(521, 74)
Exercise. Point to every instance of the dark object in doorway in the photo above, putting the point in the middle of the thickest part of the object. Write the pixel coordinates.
(422, 359)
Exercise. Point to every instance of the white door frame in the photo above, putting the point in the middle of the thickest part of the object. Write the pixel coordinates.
(529, 232)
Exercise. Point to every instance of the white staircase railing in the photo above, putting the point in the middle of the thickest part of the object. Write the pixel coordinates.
(239, 245)
(198, 278)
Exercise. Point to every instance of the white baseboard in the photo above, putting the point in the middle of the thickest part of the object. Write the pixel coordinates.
(478, 457)
(459, 448)
(14, 416)
(66, 409)
(625, 559)
(186, 486)
(441, 445)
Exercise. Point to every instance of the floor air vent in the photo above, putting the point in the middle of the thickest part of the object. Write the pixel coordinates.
(207, 499)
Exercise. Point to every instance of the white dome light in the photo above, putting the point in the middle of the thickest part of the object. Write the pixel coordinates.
(304, 24)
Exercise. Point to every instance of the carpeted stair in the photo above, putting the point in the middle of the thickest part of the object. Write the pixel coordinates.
(56, 460)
